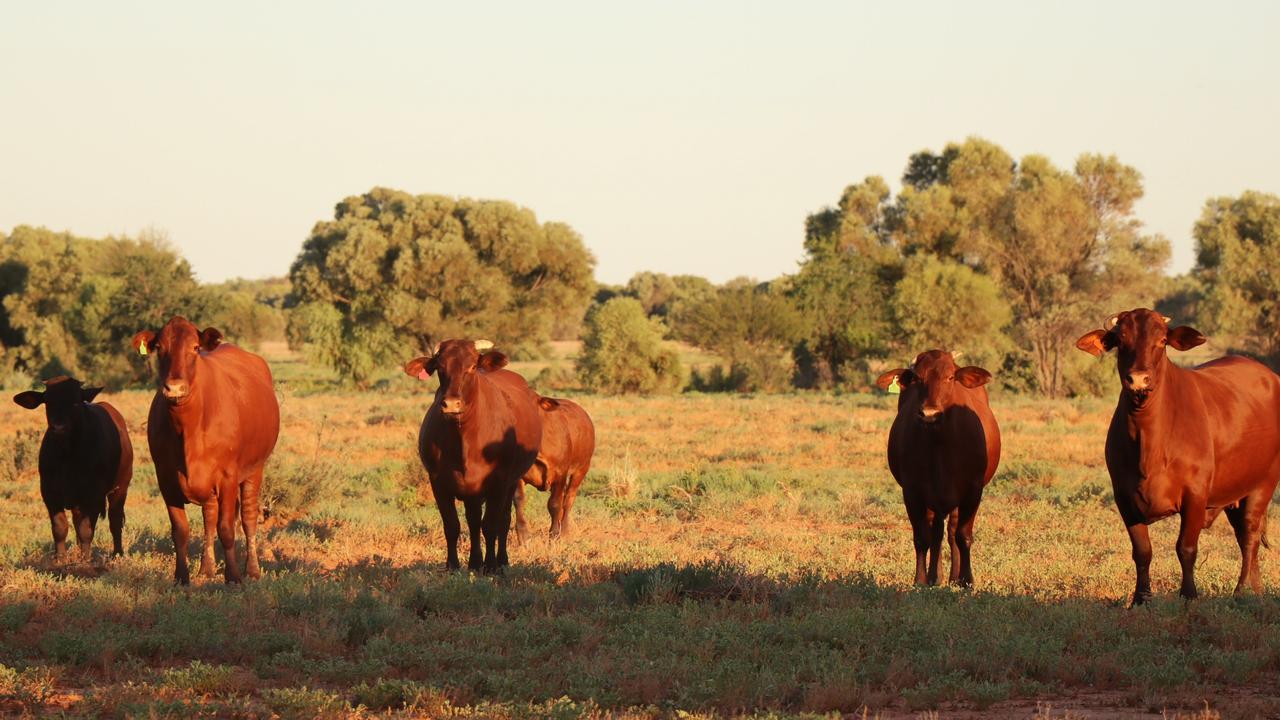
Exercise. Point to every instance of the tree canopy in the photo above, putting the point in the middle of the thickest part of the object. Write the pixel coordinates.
(1062, 247)
(1237, 257)
(70, 305)
(394, 271)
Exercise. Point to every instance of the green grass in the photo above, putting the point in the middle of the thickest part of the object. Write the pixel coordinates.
(733, 554)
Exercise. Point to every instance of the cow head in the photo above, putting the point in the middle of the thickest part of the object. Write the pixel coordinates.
(61, 398)
(931, 382)
(177, 348)
(455, 363)
(1139, 338)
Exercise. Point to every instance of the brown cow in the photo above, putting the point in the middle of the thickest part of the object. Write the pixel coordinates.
(213, 424)
(1191, 442)
(568, 441)
(86, 462)
(944, 447)
(478, 438)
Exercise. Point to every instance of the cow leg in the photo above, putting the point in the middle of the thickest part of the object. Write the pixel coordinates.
(1188, 545)
(1247, 521)
(115, 519)
(250, 511)
(952, 521)
(504, 526)
(228, 509)
(181, 532)
(209, 511)
(555, 506)
(1140, 539)
(84, 523)
(58, 524)
(937, 530)
(522, 527)
(475, 515)
(964, 539)
(571, 484)
(920, 524)
(452, 529)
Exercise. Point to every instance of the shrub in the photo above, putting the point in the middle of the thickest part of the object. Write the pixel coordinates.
(622, 351)
(20, 454)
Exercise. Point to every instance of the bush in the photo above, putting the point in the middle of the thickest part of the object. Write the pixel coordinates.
(20, 454)
(292, 490)
(622, 351)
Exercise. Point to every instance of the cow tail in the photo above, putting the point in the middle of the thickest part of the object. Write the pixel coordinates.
(1265, 544)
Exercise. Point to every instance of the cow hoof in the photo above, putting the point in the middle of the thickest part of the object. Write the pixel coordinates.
(1140, 598)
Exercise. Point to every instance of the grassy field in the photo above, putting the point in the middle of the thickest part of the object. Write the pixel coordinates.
(733, 555)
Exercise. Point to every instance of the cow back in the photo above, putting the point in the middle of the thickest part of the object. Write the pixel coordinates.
(498, 443)
(235, 420)
(960, 453)
(568, 439)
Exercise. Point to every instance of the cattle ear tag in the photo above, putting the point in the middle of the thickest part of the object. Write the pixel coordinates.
(894, 388)
(142, 349)
(423, 374)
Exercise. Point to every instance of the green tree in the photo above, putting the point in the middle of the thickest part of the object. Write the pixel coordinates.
(71, 304)
(944, 304)
(1065, 247)
(844, 283)
(1237, 257)
(753, 326)
(394, 270)
(623, 352)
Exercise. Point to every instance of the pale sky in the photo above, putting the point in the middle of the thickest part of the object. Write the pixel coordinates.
(681, 137)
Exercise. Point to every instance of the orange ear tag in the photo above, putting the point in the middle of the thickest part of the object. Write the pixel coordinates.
(423, 374)
(142, 349)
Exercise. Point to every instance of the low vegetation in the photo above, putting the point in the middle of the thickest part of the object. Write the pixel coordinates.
(735, 554)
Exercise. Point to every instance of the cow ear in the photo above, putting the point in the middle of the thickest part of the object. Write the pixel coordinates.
(1096, 342)
(973, 376)
(144, 342)
(420, 367)
(1185, 338)
(30, 399)
(903, 375)
(89, 393)
(210, 338)
(547, 403)
(492, 360)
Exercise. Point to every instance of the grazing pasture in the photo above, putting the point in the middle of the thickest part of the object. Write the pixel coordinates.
(731, 555)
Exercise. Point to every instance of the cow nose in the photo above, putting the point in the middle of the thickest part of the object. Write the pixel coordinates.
(1139, 380)
(451, 406)
(175, 389)
(929, 413)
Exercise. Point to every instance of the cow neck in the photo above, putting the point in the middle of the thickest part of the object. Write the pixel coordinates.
(473, 408)
(79, 425)
(1149, 424)
(189, 413)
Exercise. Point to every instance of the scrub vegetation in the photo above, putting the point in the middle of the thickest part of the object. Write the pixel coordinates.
(734, 554)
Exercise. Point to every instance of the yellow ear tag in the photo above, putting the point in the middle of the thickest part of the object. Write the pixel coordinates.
(142, 349)
(894, 388)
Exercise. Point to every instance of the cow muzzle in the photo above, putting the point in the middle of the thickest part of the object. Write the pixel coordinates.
(1139, 384)
(176, 391)
(451, 406)
(930, 414)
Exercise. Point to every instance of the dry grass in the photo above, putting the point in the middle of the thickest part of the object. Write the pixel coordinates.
(733, 555)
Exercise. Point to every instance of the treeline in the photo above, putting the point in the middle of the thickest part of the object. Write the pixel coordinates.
(69, 305)
(1008, 260)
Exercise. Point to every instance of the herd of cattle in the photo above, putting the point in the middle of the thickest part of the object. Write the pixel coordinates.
(1191, 442)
